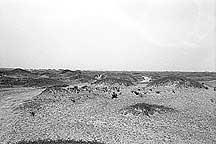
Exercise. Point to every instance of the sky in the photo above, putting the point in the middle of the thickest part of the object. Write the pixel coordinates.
(158, 35)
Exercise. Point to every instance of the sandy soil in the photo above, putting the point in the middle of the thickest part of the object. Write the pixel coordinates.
(194, 120)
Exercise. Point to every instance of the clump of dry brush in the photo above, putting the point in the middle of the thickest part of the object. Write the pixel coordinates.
(146, 109)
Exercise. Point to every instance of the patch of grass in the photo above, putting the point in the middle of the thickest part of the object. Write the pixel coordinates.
(61, 141)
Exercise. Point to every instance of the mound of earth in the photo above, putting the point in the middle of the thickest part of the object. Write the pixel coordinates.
(42, 82)
(83, 78)
(128, 76)
(65, 93)
(18, 72)
(28, 82)
(145, 109)
(113, 81)
(10, 81)
(68, 72)
(55, 94)
(49, 74)
(175, 81)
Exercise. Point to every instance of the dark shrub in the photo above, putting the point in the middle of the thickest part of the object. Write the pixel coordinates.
(114, 95)
(135, 92)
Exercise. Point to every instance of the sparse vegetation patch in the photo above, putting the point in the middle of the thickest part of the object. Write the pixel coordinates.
(145, 109)
(175, 81)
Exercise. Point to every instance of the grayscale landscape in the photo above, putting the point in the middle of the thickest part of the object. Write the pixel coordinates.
(108, 107)
(107, 71)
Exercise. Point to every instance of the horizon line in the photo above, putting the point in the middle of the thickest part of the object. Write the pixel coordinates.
(104, 70)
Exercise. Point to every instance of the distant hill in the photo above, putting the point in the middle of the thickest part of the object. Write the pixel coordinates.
(66, 71)
(83, 77)
(17, 72)
(28, 82)
(113, 81)
(69, 73)
(175, 81)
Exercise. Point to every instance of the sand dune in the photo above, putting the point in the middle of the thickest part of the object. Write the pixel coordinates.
(70, 112)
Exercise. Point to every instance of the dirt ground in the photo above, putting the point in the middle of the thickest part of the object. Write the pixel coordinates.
(101, 118)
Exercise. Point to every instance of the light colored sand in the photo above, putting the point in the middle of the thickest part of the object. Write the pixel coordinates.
(195, 121)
